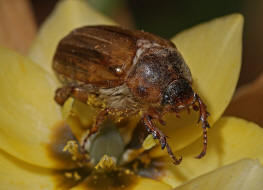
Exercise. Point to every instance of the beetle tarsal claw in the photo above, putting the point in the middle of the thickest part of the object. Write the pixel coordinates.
(201, 155)
(176, 162)
(170, 152)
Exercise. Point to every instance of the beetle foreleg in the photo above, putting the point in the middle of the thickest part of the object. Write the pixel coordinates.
(156, 115)
(205, 124)
(147, 119)
(62, 94)
(78, 92)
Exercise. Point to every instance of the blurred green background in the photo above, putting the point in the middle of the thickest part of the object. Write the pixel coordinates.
(168, 17)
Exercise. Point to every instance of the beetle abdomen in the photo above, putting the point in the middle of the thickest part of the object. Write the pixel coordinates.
(100, 55)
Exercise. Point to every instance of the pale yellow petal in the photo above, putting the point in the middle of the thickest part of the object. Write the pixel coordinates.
(18, 175)
(242, 175)
(213, 52)
(30, 126)
(120, 181)
(67, 15)
(230, 140)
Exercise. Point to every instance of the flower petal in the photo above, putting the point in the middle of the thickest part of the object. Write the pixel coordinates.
(244, 174)
(18, 175)
(118, 180)
(67, 15)
(231, 139)
(213, 52)
(30, 127)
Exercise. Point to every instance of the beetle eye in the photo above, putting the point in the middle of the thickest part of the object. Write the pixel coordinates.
(177, 91)
(166, 99)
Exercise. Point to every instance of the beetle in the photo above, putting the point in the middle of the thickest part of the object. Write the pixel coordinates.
(132, 72)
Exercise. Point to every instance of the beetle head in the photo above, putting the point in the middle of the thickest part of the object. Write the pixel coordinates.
(178, 95)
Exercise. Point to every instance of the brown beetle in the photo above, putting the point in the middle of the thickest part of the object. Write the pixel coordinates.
(130, 71)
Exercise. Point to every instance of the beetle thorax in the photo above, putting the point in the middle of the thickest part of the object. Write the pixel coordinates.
(153, 69)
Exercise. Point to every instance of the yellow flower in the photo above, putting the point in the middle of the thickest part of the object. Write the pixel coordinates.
(33, 133)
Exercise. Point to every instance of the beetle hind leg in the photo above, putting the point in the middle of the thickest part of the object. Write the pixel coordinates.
(157, 134)
(94, 129)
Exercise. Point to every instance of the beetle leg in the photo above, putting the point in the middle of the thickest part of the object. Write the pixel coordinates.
(62, 94)
(147, 119)
(156, 115)
(205, 124)
(99, 120)
(78, 92)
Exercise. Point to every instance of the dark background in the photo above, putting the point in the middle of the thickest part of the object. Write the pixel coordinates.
(168, 17)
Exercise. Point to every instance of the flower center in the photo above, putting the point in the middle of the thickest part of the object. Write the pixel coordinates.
(118, 148)
(108, 141)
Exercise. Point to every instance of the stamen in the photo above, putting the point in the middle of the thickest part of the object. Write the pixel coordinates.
(149, 142)
(106, 163)
(72, 147)
(75, 175)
